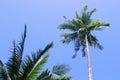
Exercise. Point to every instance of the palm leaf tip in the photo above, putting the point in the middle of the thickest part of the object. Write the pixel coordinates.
(85, 7)
(25, 30)
(50, 45)
(106, 24)
(61, 69)
(45, 75)
(74, 56)
(64, 17)
(14, 62)
(1, 64)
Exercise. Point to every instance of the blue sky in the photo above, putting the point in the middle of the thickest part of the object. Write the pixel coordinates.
(42, 19)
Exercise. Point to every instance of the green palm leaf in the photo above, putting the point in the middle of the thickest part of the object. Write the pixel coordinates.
(37, 67)
(60, 70)
(28, 69)
(13, 64)
(45, 75)
(32, 65)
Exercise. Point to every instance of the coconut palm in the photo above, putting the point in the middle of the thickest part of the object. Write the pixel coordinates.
(81, 34)
(28, 69)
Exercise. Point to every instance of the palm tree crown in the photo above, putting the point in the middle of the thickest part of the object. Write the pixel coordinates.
(29, 69)
(81, 26)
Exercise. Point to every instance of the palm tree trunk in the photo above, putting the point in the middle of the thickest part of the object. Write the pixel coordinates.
(90, 75)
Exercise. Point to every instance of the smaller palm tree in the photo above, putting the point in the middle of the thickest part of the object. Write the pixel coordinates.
(29, 69)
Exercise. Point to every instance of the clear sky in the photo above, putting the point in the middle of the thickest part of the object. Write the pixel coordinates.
(43, 17)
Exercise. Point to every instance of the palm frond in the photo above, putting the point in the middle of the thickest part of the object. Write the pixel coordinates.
(72, 25)
(46, 49)
(77, 44)
(91, 12)
(45, 75)
(31, 66)
(93, 41)
(99, 46)
(83, 51)
(97, 25)
(102, 25)
(13, 63)
(36, 68)
(77, 16)
(61, 69)
(68, 37)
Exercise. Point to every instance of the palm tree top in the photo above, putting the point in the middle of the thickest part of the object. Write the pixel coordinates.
(28, 69)
(80, 26)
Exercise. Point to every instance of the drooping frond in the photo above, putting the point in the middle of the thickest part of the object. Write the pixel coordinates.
(61, 69)
(84, 51)
(45, 75)
(93, 41)
(97, 25)
(72, 25)
(68, 37)
(13, 63)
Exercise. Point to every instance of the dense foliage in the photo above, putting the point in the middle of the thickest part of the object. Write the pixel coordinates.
(31, 67)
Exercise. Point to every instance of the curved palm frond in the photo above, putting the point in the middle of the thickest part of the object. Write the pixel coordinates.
(45, 75)
(31, 66)
(68, 37)
(61, 69)
(93, 41)
(36, 68)
(97, 25)
(13, 64)
(72, 25)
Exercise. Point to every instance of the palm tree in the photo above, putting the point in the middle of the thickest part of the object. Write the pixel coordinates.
(81, 34)
(29, 69)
